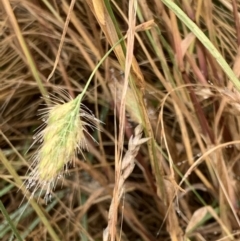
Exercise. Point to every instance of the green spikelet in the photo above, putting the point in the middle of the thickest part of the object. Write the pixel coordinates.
(62, 137)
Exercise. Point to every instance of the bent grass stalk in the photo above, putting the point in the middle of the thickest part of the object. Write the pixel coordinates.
(62, 136)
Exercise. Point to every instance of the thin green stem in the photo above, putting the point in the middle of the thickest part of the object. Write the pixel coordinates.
(5, 214)
(80, 96)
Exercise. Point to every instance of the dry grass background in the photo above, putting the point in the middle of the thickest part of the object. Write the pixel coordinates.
(184, 181)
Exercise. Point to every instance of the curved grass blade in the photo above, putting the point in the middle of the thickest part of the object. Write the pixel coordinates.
(5, 214)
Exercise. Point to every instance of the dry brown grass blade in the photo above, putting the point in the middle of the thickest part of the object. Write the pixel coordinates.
(62, 39)
(128, 64)
(135, 224)
(23, 44)
(99, 10)
(236, 17)
(173, 226)
(226, 193)
(236, 66)
(227, 196)
(107, 27)
(186, 42)
(201, 78)
(82, 31)
(213, 213)
(181, 113)
(177, 41)
(78, 44)
(196, 219)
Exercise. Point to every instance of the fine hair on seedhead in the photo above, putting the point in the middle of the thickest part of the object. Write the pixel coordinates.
(62, 136)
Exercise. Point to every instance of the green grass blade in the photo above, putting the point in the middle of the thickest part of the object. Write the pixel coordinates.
(37, 220)
(5, 214)
(23, 44)
(6, 189)
(35, 206)
(4, 227)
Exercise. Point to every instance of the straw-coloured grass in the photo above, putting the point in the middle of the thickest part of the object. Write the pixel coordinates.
(172, 67)
(127, 166)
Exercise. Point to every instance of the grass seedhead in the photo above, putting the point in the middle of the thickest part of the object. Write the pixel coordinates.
(62, 136)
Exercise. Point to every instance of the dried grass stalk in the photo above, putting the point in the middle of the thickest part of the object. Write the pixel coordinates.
(127, 166)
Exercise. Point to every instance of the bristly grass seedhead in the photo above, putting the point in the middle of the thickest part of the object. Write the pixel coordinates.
(63, 136)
